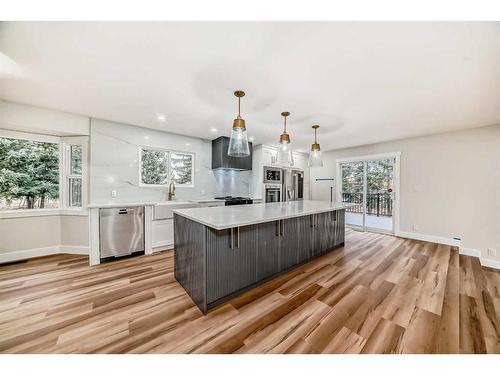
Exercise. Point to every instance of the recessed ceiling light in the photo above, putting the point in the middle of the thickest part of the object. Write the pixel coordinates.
(251, 138)
(188, 144)
(161, 117)
(146, 137)
(213, 130)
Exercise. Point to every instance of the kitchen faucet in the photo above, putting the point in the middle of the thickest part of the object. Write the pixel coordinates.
(171, 191)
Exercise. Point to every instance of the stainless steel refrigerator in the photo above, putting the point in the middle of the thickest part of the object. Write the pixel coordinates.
(293, 185)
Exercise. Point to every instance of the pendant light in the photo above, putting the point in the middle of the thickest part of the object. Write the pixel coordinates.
(315, 155)
(238, 144)
(285, 156)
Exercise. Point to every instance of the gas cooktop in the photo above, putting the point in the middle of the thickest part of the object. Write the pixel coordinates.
(232, 201)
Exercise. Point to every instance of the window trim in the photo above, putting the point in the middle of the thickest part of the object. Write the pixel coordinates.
(169, 175)
(65, 175)
(63, 144)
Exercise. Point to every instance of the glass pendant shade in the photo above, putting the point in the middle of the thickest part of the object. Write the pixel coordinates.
(238, 143)
(285, 156)
(315, 159)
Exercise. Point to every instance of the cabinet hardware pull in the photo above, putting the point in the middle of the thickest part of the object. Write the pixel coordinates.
(277, 228)
(283, 228)
(238, 229)
(231, 246)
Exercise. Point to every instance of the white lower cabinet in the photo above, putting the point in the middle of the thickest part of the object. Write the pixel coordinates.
(163, 234)
(163, 226)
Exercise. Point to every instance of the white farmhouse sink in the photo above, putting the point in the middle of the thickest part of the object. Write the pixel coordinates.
(163, 210)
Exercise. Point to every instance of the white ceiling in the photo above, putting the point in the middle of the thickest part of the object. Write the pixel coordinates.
(362, 82)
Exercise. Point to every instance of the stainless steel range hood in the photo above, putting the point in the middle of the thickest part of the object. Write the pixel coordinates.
(221, 160)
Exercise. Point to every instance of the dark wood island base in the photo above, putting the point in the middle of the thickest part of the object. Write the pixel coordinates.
(214, 266)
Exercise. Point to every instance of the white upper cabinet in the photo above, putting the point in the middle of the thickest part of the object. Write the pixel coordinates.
(267, 156)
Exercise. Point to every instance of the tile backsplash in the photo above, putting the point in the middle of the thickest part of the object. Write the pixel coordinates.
(114, 155)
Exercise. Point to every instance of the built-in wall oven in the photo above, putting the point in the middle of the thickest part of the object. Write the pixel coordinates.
(272, 193)
(273, 175)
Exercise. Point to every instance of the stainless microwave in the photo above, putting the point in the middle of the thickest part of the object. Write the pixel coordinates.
(273, 175)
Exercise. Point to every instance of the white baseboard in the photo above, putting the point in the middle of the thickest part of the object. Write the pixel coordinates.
(470, 252)
(77, 250)
(162, 246)
(26, 254)
(486, 262)
(42, 251)
(428, 238)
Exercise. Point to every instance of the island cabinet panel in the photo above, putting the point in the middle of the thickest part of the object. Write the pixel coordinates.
(289, 243)
(338, 229)
(230, 267)
(189, 258)
(268, 251)
(328, 231)
(321, 235)
(304, 238)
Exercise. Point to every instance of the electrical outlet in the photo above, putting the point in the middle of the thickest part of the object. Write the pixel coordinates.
(492, 252)
(416, 227)
(113, 193)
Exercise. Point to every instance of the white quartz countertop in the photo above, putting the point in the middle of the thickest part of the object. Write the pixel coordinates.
(236, 216)
(121, 204)
(135, 204)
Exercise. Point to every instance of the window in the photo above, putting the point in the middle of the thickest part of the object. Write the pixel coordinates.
(160, 167)
(29, 174)
(41, 172)
(181, 168)
(75, 176)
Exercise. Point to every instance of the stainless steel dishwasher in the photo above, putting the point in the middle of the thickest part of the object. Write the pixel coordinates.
(121, 231)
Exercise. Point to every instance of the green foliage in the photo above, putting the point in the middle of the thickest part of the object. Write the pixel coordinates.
(76, 160)
(155, 168)
(379, 176)
(28, 170)
(181, 167)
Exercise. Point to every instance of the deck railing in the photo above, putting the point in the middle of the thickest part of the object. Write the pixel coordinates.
(379, 204)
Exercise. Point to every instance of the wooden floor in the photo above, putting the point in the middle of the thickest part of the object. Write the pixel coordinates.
(378, 294)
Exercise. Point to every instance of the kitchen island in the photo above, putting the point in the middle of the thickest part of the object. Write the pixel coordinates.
(221, 252)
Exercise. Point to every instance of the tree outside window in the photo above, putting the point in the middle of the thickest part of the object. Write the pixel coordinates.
(160, 167)
(29, 174)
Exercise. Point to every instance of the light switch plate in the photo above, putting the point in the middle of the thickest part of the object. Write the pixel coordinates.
(113, 193)
(492, 252)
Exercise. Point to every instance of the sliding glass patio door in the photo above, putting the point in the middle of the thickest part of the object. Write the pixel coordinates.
(353, 192)
(370, 185)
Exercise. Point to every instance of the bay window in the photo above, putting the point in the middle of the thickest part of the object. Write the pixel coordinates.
(41, 173)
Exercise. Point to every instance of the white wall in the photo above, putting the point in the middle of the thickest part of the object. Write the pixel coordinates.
(450, 184)
(24, 237)
(74, 231)
(114, 157)
(26, 233)
(28, 118)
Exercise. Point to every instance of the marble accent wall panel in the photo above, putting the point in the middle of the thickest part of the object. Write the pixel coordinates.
(114, 162)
